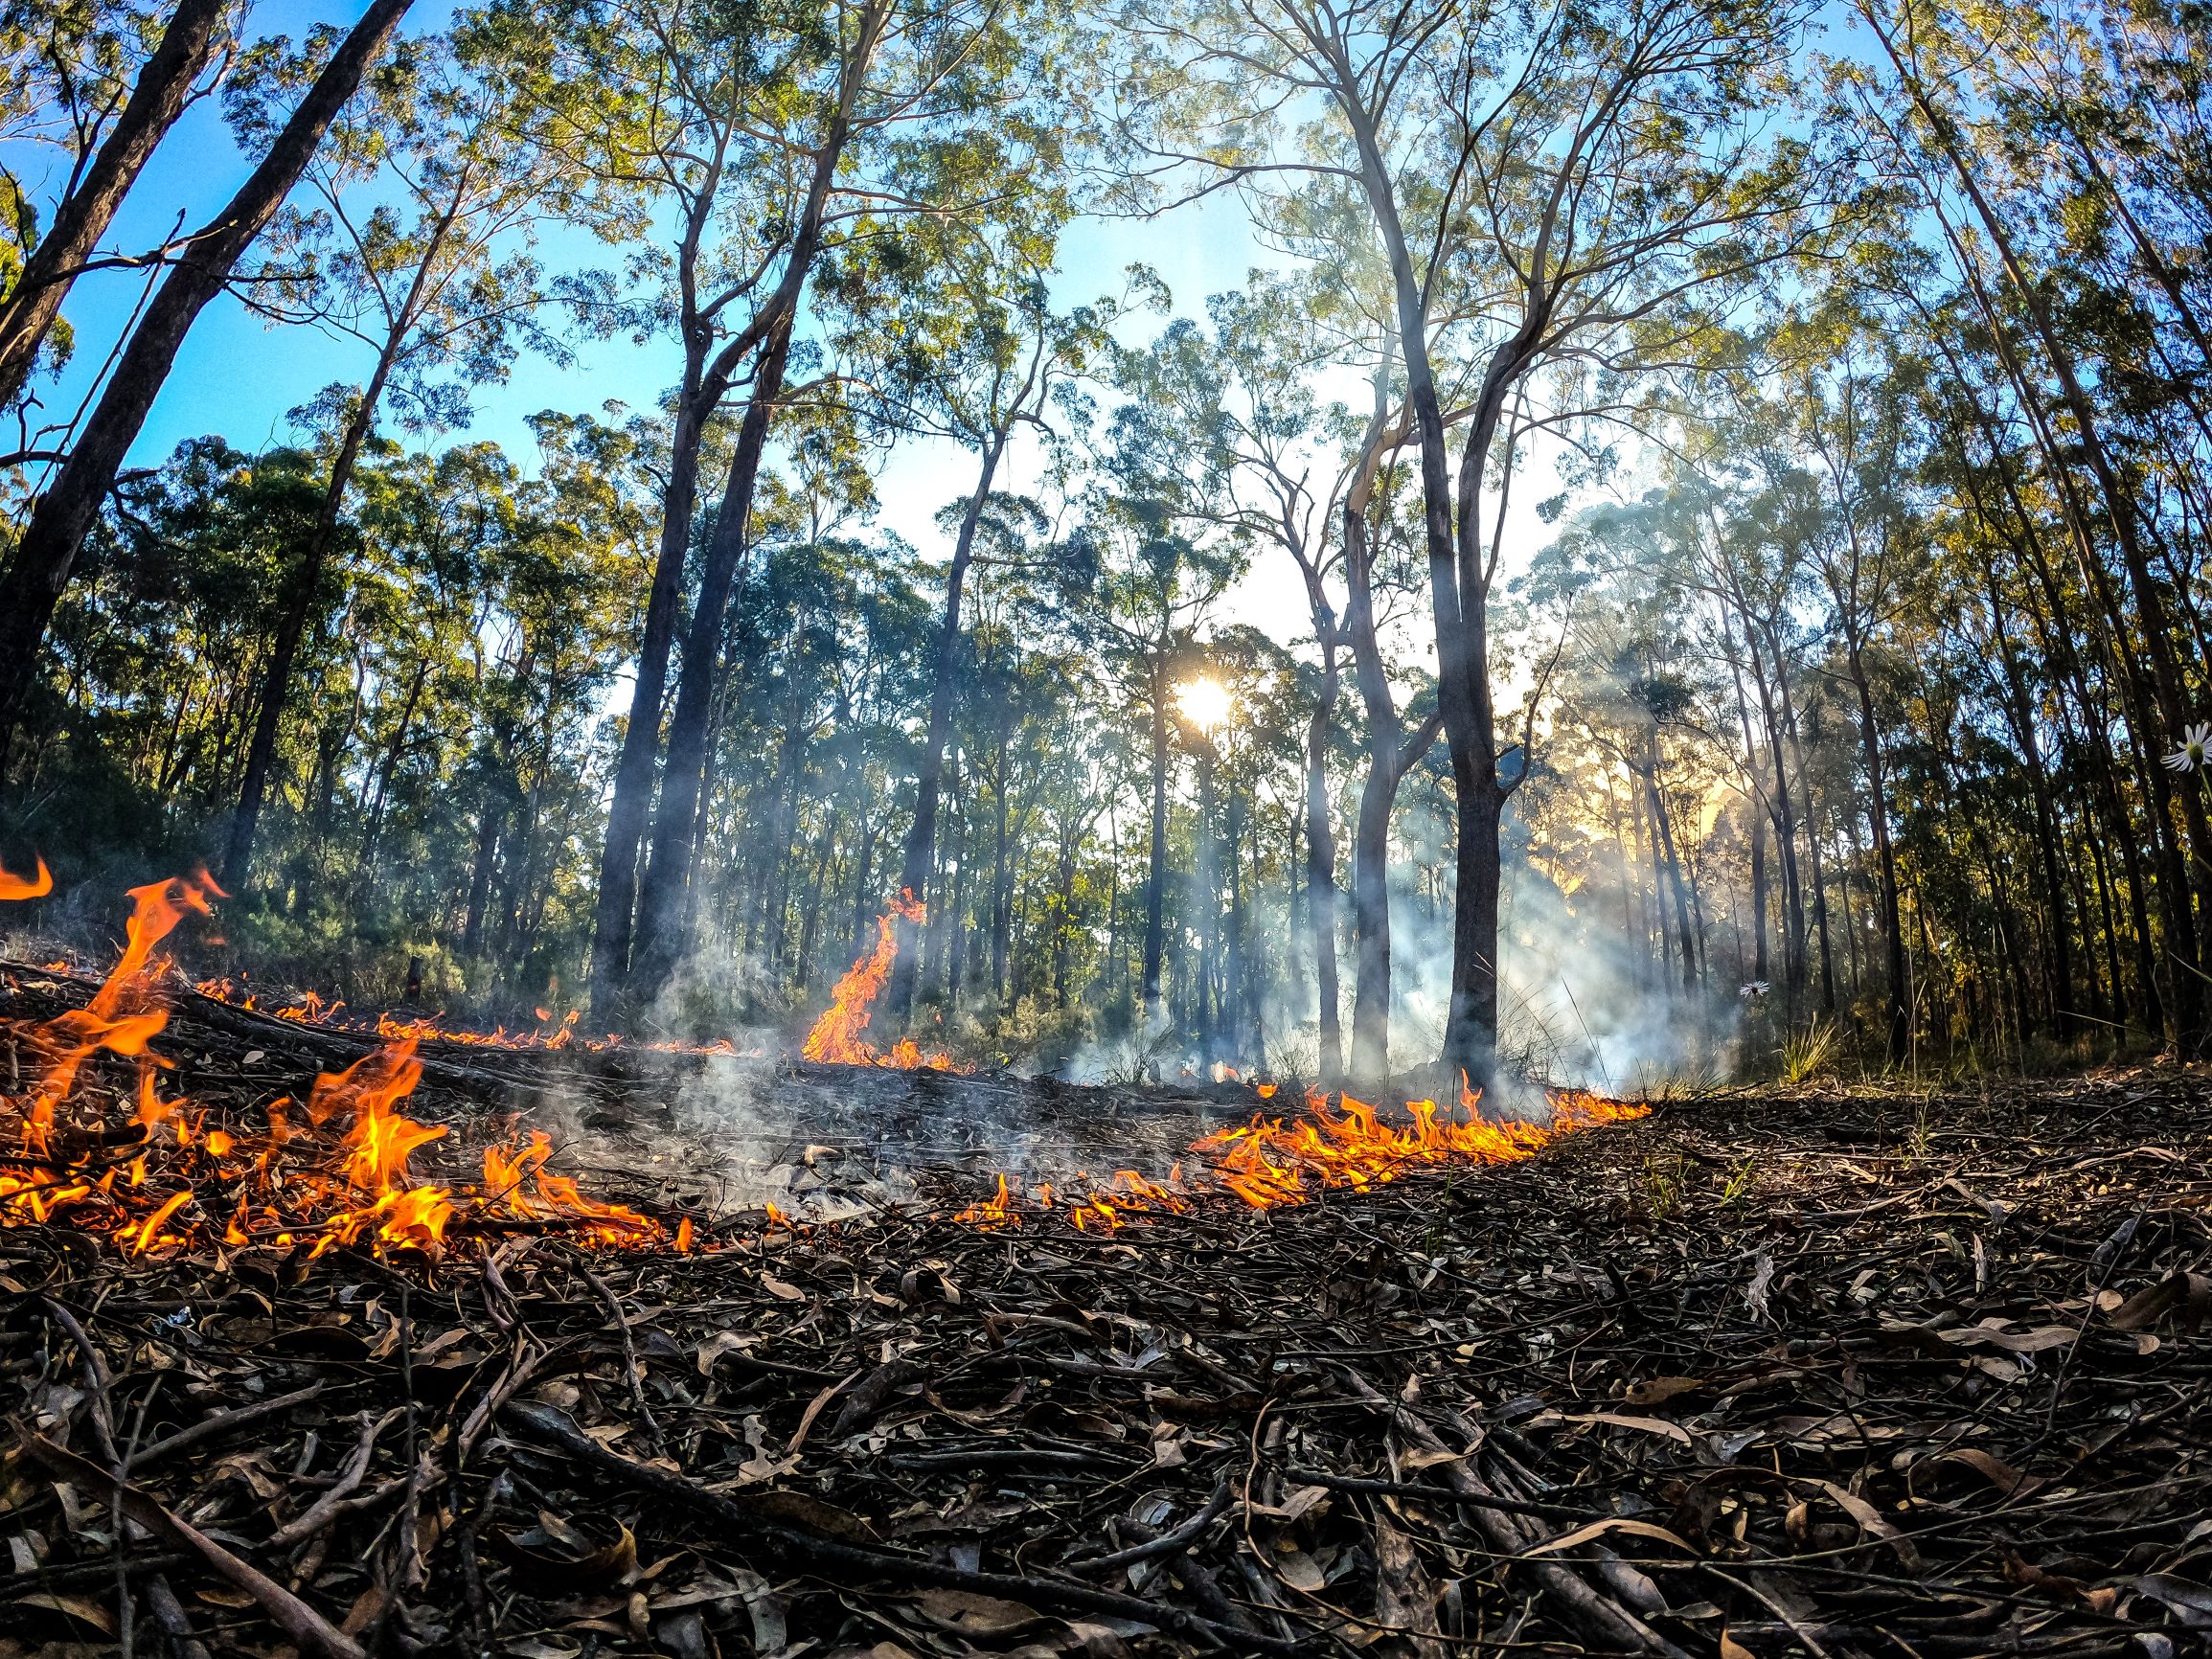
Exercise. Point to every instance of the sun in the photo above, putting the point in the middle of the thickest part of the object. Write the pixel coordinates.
(1205, 703)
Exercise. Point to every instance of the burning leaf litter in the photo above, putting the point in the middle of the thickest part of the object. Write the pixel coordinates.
(1743, 1377)
(1791, 1375)
(172, 1177)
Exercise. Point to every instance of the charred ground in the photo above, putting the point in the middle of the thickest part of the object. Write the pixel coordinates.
(1826, 1372)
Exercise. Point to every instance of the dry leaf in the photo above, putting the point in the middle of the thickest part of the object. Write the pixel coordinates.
(1662, 1388)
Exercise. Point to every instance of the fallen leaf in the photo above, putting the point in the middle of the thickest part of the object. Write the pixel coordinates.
(1657, 1389)
(971, 1615)
(1644, 1424)
(1598, 1528)
(1994, 1469)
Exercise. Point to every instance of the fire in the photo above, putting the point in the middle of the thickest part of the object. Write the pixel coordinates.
(1270, 1162)
(835, 1038)
(169, 1179)
(36, 886)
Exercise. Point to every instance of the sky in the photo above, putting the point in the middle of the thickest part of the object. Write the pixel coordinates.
(237, 377)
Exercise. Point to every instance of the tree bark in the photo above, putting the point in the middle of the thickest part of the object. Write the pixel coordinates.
(1899, 1021)
(1321, 874)
(1156, 869)
(157, 98)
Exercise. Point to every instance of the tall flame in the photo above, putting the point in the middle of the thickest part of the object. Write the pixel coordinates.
(118, 1017)
(835, 1038)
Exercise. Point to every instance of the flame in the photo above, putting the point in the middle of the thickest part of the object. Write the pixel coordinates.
(835, 1038)
(342, 1177)
(1270, 1162)
(36, 886)
(993, 1213)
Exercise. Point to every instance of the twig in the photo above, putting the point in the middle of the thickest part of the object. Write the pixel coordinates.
(1165, 1544)
(1437, 1494)
(325, 1509)
(223, 1421)
(636, 1371)
(554, 1428)
(297, 1619)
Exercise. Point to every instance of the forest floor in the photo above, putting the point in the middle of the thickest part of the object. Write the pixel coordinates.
(1827, 1373)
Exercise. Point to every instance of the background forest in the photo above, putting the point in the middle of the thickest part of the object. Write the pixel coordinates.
(1686, 553)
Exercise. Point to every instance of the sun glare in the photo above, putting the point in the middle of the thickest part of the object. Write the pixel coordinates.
(1205, 703)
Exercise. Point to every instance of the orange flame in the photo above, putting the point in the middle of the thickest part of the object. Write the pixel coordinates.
(1271, 1161)
(344, 1177)
(835, 1038)
(36, 886)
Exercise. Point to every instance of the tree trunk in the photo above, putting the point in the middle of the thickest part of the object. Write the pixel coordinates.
(1156, 869)
(2123, 511)
(66, 513)
(1321, 874)
(1899, 1021)
(159, 96)
(919, 854)
(300, 590)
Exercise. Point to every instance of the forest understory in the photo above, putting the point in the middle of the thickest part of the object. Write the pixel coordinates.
(1831, 1372)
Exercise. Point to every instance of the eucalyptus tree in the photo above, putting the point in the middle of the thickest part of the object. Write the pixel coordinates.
(62, 72)
(1142, 572)
(691, 122)
(1576, 187)
(39, 570)
(863, 113)
(415, 246)
(947, 329)
(1856, 423)
(2098, 355)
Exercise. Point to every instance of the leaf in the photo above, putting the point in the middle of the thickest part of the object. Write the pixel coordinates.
(1413, 1461)
(2036, 1341)
(721, 1343)
(1731, 1648)
(971, 1615)
(776, 1287)
(812, 1515)
(1992, 1468)
(84, 1612)
(814, 1410)
(1654, 1390)
(1644, 1424)
(1598, 1528)
(1299, 1570)
(2190, 1292)
(1762, 1276)
(1874, 1521)
(1403, 1595)
(2191, 1603)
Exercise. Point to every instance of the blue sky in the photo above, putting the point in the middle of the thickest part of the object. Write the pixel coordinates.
(237, 377)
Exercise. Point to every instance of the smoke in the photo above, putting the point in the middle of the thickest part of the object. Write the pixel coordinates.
(1580, 1005)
